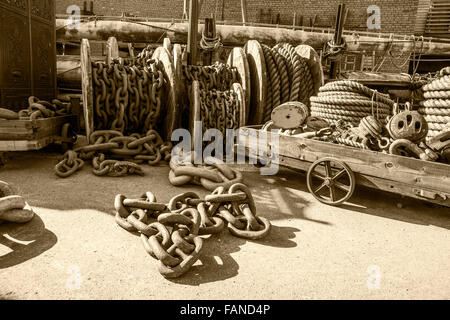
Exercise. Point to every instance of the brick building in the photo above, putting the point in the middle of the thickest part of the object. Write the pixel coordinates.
(395, 16)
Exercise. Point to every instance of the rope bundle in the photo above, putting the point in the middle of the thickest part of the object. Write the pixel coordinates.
(289, 77)
(436, 104)
(350, 101)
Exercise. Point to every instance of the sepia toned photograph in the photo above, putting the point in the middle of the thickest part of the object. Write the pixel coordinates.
(223, 155)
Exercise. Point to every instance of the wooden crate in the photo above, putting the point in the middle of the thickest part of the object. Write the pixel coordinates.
(23, 135)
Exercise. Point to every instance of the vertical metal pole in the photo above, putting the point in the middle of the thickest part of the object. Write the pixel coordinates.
(244, 11)
(337, 37)
(193, 33)
(210, 32)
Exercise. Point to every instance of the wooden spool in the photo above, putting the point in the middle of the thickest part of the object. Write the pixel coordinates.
(167, 44)
(112, 50)
(238, 60)
(258, 81)
(86, 87)
(290, 115)
(172, 108)
(314, 63)
(242, 103)
(177, 64)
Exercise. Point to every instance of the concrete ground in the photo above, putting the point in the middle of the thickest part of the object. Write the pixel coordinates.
(73, 249)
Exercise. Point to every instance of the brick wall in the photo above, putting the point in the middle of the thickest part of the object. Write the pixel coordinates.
(396, 15)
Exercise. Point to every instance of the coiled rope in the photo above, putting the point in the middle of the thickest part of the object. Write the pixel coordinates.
(351, 102)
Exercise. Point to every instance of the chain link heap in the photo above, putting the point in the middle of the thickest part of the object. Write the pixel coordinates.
(350, 101)
(116, 155)
(211, 175)
(218, 76)
(436, 104)
(37, 109)
(13, 207)
(128, 98)
(171, 233)
(142, 59)
(219, 110)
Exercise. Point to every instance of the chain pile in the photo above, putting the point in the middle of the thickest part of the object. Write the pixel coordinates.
(219, 110)
(217, 174)
(350, 101)
(37, 109)
(143, 57)
(171, 233)
(13, 208)
(128, 99)
(289, 77)
(116, 155)
(436, 104)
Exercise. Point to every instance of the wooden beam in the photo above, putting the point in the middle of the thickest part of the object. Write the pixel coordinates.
(86, 87)
(210, 32)
(193, 33)
(236, 35)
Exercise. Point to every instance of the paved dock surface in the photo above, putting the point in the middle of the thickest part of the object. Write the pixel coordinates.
(369, 248)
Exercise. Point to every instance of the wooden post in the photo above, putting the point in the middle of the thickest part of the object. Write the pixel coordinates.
(112, 50)
(131, 50)
(210, 32)
(185, 13)
(192, 34)
(86, 87)
(244, 11)
(337, 37)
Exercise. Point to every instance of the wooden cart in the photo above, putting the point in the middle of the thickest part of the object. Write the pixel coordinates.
(333, 170)
(23, 135)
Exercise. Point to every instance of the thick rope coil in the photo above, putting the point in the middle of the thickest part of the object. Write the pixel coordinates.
(351, 143)
(441, 84)
(333, 111)
(436, 126)
(436, 103)
(307, 82)
(434, 111)
(437, 95)
(437, 119)
(274, 81)
(353, 86)
(367, 109)
(283, 74)
(285, 54)
(351, 102)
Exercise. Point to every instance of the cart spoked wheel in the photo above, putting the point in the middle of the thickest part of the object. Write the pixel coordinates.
(330, 181)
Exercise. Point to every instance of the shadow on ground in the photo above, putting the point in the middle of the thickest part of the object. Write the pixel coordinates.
(26, 241)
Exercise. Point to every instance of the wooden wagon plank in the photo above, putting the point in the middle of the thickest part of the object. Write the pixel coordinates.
(414, 172)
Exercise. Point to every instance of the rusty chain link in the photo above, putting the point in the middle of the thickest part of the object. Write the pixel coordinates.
(116, 155)
(39, 109)
(13, 208)
(128, 98)
(171, 233)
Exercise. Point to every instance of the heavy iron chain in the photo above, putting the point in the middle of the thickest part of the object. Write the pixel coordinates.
(13, 208)
(219, 110)
(116, 155)
(211, 176)
(171, 233)
(38, 109)
(218, 76)
(128, 98)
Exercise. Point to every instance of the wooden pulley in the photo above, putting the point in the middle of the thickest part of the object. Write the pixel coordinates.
(290, 115)
(258, 81)
(314, 62)
(172, 107)
(238, 60)
(242, 103)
